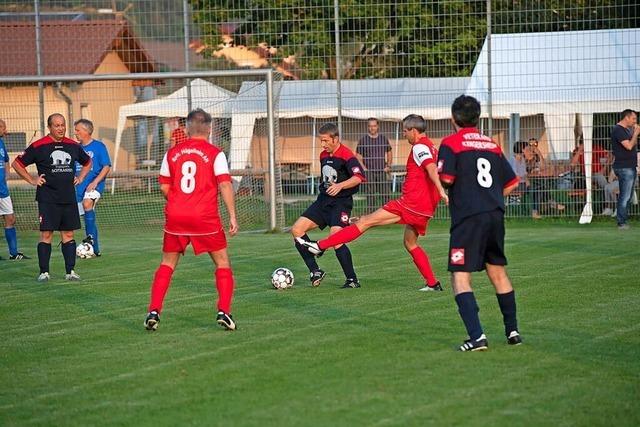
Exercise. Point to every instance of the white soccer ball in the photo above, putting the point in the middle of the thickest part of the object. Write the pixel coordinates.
(84, 250)
(282, 278)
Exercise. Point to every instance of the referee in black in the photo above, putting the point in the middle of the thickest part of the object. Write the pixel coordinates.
(55, 156)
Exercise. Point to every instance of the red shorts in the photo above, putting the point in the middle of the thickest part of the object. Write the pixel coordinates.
(200, 244)
(417, 221)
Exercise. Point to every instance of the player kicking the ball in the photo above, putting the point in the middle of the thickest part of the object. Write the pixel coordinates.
(421, 193)
(190, 176)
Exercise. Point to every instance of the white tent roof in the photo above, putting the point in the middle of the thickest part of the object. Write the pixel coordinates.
(211, 98)
(386, 99)
(558, 72)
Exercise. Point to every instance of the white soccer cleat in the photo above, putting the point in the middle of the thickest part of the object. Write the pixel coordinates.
(44, 277)
(310, 246)
(72, 277)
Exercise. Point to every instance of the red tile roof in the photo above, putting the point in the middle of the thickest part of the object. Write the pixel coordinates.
(69, 47)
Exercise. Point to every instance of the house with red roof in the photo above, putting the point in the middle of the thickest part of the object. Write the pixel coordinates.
(70, 48)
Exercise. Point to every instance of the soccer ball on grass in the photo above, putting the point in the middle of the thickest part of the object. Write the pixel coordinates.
(84, 250)
(282, 278)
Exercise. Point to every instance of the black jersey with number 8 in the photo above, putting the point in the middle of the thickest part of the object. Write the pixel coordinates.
(478, 172)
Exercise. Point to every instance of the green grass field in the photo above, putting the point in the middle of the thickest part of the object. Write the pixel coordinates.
(382, 355)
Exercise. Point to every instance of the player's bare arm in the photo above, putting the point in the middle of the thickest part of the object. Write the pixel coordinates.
(22, 171)
(629, 144)
(165, 189)
(508, 189)
(388, 161)
(83, 173)
(361, 161)
(432, 171)
(336, 187)
(102, 175)
(226, 190)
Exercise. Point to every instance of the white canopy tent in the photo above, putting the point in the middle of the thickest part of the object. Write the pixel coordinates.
(385, 99)
(211, 98)
(560, 74)
(567, 77)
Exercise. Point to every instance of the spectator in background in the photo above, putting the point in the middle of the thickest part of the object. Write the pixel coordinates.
(611, 191)
(374, 154)
(179, 134)
(601, 159)
(91, 189)
(539, 181)
(519, 166)
(6, 206)
(624, 140)
(533, 159)
(533, 156)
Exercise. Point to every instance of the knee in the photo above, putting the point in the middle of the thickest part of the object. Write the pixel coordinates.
(297, 231)
(9, 220)
(87, 205)
(364, 223)
(66, 236)
(410, 245)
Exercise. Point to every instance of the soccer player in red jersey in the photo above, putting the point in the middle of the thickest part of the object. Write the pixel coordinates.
(178, 135)
(341, 177)
(421, 193)
(478, 176)
(191, 175)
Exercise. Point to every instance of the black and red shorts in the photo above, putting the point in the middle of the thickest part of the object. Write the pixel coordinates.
(330, 211)
(58, 216)
(477, 240)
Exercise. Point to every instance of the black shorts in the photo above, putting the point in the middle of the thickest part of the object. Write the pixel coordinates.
(476, 241)
(58, 217)
(331, 211)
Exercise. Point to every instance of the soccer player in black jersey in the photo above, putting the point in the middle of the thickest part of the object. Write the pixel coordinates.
(55, 156)
(478, 176)
(341, 176)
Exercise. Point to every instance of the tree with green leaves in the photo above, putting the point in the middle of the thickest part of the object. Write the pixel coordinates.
(392, 38)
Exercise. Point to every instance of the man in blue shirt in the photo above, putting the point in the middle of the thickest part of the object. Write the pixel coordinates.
(91, 189)
(6, 206)
(624, 142)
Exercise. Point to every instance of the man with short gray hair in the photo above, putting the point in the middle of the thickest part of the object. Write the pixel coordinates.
(192, 175)
(90, 190)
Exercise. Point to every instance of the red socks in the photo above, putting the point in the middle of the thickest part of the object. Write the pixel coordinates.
(345, 235)
(421, 260)
(160, 286)
(224, 284)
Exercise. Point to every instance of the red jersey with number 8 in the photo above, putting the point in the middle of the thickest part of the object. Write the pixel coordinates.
(476, 169)
(193, 169)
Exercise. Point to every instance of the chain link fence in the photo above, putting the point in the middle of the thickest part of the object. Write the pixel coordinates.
(551, 76)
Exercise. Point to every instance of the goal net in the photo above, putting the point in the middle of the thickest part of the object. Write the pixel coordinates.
(136, 120)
